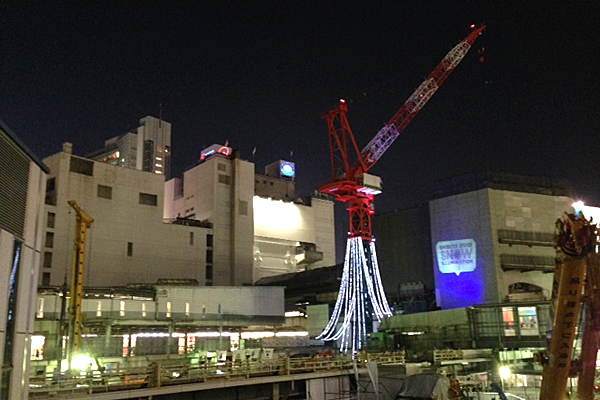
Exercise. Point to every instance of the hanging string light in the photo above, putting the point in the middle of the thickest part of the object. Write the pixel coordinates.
(361, 295)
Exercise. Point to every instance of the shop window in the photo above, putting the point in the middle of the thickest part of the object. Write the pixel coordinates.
(528, 322)
(508, 319)
(37, 347)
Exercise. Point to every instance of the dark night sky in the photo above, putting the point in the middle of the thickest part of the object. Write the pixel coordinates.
(261, 74)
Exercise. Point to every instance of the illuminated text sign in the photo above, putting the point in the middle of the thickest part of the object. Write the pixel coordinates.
(456, 256)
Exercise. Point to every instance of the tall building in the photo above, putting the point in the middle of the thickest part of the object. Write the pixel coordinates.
(146, 148)
(255, 235)
(219, 189)
(492, 238)
(128, 240)
(22, 185)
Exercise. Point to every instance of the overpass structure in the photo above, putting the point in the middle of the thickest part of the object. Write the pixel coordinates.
(178, 379)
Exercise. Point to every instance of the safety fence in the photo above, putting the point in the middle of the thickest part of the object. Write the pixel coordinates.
(179, 372)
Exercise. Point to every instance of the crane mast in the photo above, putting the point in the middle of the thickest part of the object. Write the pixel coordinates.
(361, 297)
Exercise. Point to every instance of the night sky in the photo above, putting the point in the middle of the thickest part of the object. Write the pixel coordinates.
(260, 74)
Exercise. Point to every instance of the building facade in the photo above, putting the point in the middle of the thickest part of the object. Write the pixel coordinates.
(219, 190)
(146, 148)
(492, 237)
(255, 236)
(22, 185)
(128, 240)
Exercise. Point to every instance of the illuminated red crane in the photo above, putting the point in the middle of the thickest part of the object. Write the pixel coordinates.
(350, 181)
(361, 297)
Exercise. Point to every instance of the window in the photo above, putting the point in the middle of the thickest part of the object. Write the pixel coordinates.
(226, 179)
(243, 207)
(51, 192)
(191, 238)
(187, 309)
(143, 309)
(209, 272)
(209, 256)
(168, 309)
(99, 309)
(82, 166)
(49, 239)
(46, 279)
(209, 240)
(47, 259)
(122, 308)
(528, 321)
(51, 220)
(148, 199)
(508, 318)
(130, 249)
(40, 308)
(37, 347)
(222, 167)
(105, 192)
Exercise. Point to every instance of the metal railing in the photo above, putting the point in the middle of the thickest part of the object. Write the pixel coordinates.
(179, 372)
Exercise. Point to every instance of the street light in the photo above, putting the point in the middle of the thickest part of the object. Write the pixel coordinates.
(504, 374)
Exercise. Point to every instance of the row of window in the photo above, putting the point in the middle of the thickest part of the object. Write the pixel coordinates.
(105, 192)
(168, 314)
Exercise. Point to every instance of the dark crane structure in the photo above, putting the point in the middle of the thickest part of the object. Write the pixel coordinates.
(361, 295)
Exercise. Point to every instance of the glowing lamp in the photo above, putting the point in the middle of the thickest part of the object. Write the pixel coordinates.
(578, 206)
(504, 372)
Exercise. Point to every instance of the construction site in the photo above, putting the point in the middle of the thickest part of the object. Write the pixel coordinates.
(222, 283)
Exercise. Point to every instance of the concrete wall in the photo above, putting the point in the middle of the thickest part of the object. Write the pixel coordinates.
(159, 250)
(526, 212)
(464, 216)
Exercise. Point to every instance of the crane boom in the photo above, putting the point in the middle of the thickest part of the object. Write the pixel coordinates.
(388, 134)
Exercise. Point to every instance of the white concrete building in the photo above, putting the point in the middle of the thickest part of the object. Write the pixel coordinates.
(255, 236)
(146, 148)
(219, 190)
(128, 240)
(22, 185)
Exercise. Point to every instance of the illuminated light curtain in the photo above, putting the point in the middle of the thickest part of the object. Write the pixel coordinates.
(361, 286)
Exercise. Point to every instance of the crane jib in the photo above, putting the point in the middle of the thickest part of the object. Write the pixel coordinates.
(388, 134)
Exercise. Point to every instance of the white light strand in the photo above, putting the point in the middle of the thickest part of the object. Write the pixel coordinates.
(361, 283)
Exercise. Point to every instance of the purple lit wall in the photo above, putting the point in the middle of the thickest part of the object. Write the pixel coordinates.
(462, 246)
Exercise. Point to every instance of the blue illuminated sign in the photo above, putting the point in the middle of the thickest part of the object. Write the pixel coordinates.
(287, 169)
(456, 256)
